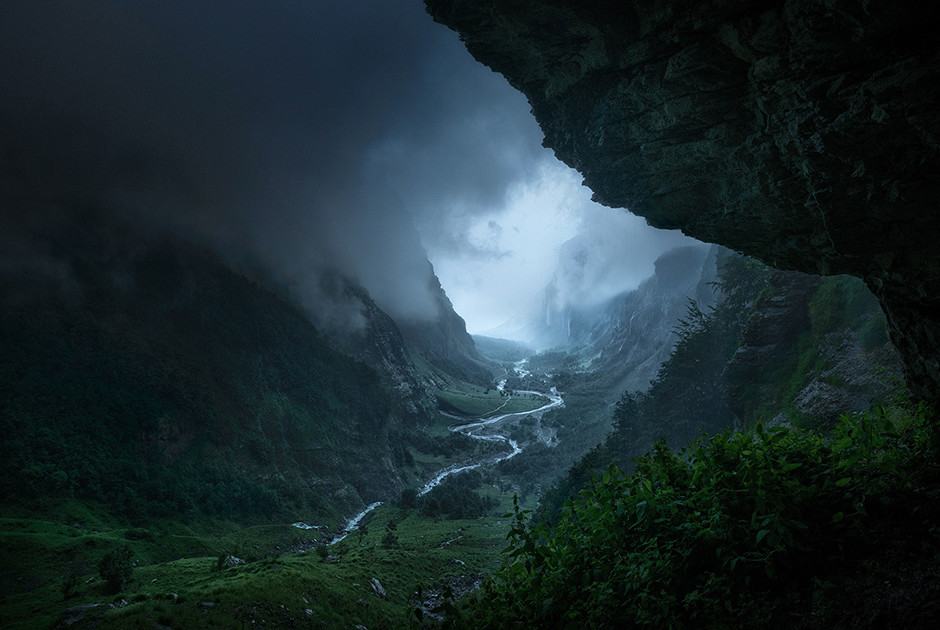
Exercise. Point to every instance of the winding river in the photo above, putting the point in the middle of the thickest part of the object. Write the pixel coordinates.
(482, 429)
(486, 429)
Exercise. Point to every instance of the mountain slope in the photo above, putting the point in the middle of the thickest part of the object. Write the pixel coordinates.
(443, 341)
(142, 372)
(635, 334)
(796, 132)
(784, 348)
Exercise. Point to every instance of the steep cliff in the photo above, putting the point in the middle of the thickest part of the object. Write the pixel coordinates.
(801, 133)
(778, 347)
(377, 342)
(636, 334)
(444, 341)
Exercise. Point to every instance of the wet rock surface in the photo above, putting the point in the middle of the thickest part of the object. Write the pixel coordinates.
(801, 133)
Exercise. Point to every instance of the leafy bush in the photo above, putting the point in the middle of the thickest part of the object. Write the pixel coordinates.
(455, 497)
(115, 569)
(389, 540)
(700, 537)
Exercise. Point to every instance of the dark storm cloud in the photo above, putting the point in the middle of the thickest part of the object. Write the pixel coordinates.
(469, 138)
(277, 129)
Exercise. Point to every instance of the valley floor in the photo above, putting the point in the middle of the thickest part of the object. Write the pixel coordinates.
(396, 562)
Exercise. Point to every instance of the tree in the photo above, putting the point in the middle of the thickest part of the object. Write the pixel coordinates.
(115, 569)
(409, 498)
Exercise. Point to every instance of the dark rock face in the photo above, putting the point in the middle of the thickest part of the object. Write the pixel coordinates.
(770, 336)
(847, 374)
(379, 344)
(802, 133)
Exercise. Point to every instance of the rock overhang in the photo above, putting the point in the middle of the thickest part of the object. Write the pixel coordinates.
(805, 134)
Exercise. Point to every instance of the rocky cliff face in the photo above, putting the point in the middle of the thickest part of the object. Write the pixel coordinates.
(635, 335)
(799, 132)
(378, 342)
(811, 350)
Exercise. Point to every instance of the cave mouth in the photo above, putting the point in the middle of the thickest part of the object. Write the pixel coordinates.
(796, 133)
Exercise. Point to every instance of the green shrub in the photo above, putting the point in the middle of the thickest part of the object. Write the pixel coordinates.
(115, 569)
(138, 534)
(701, 537)
(70, 584)
(390, 540)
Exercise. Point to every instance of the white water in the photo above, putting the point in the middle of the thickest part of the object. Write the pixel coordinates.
(520, 371)
(354, 522)
(474, 429)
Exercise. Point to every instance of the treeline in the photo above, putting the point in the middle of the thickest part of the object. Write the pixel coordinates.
(688, 396)
(745, 527)
(455, 497)
(745, 359)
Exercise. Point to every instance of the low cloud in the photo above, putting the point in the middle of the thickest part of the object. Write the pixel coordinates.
(297, 136)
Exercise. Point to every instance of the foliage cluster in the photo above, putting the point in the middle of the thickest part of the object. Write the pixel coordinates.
(840, 308)
(115, 569)
(699, 389)
(274, 588)
(689, 395)
(457, 497)
(700, 537)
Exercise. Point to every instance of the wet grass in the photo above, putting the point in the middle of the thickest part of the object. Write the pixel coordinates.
(473, 402)
(400, 548)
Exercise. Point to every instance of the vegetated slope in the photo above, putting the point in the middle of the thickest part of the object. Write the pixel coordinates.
(627, 344)
(783, 347)
(504, 351)
(444, 342)
(779, 526)
(154, 398)
(145, 374)
(615, 346)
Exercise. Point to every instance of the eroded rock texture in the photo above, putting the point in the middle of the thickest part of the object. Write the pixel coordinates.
(804, 133)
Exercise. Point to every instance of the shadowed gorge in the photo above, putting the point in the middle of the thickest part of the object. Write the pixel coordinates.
(801, 133)
(301, 328)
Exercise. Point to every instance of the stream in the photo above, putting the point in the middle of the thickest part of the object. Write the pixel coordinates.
(478, 429)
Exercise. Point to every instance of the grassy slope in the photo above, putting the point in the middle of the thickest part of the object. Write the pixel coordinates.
(173, 406)
(191, 591)
(478, 402)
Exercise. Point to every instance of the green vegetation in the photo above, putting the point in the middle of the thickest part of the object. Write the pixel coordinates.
(399, 547)
(165, 423)
(458, 497)
(193, 392)
(689, 396)
(704, 388)
(115, 569)
(841, 308)
(480, 402)
(744, 528)
(502, 350)
(739, 530)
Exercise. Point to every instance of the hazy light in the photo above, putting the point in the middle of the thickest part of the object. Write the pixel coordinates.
(515, 250)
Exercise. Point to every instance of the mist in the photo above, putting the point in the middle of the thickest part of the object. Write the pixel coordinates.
(296, 136)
